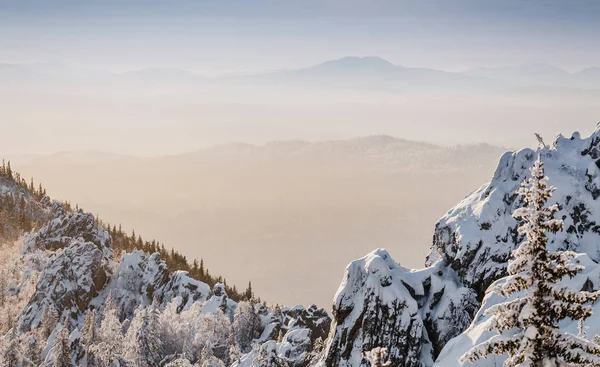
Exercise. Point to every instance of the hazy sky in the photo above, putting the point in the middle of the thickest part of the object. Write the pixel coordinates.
(232, 36)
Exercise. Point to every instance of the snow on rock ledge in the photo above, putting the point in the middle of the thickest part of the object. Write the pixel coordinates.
(476, 237)
(372, 308)
(59, 232)
(142, 279)
(68, 283)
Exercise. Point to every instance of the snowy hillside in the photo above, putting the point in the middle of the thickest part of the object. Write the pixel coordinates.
(67, 299)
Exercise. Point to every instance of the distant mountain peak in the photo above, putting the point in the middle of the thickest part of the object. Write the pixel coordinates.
(355, 62)
(541, 67)
(591, 71)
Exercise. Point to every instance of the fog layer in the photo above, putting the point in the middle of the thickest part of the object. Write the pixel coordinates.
(288, 215)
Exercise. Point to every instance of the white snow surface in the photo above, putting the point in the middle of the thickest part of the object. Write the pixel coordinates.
(482, 226)
(477, 333)
(477, 236)
(372, 285)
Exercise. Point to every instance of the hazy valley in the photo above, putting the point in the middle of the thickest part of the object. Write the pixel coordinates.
(291, 211)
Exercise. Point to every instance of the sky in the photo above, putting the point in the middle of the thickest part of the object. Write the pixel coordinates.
(233, 36)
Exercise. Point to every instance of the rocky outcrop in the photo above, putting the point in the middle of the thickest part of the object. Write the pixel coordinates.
(77, 273)
(142, 279)
(76, 270)
(382, 304)
(184, 288)
(315, 319)
(62, 230)
(476, 237)
(288, 336)
(68, 282)
(219, 301)
(374, 307)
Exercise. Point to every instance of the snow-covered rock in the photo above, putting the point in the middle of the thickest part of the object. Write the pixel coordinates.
(374, 308)
(471, 247)
(76, 273)
(68, 282)
(59, 232)
(288, 335)
(315, 319)
(219, 301)
(477, 236)
(181, 285)
(293, 350)
(142, 279)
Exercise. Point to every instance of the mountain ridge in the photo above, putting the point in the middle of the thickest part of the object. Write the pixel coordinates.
(348, 71)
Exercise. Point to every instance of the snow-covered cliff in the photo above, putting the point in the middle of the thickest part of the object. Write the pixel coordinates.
(420, 316)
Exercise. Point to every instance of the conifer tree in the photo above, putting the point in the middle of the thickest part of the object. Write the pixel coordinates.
(150, 345)
(249, 294)
(61, 351)
(110, 332)
(49, 321)
(12, 355)
(90, 332)
(3, 288)
(9, 172)
(32, 351)
(536, 272)
(245, 325)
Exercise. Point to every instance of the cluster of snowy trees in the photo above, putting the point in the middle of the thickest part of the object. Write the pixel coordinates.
(528, 323)
(124, 243)
(153, 337)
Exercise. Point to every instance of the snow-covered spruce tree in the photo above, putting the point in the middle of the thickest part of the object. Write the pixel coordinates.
(150, 345)
(110, 335)
(11, 357)
(32, 351)
(90, 337)
(90, 330)
(49, 321)
(530, 322)
(245, 325)
(60, 353)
